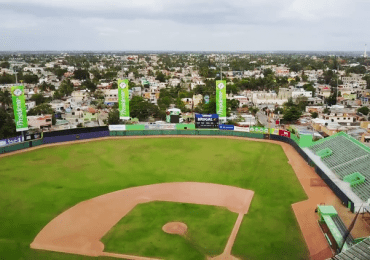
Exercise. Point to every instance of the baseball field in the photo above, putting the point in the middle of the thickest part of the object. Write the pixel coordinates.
(39, 185)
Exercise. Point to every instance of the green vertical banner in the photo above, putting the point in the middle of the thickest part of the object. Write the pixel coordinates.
(19, 107)
(123, 99)
(221, 98)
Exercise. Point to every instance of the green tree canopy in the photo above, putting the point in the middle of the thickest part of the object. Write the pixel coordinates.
(43, 109)
(46, 86)
(81, 74)
(66, 88)
(292, 114)
(30, 79)
(38, 98)
(364, 110)
(5, 65)
(113, 117)
(142, 109)
(161, 77)
(7, 125)
(5, 98)
(7, 78)
(89, 85)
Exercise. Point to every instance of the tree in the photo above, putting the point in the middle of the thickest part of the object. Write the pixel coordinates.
(309, 87)
(364, 110)
(314, 114)
(301, 103)
(113, 117)
(57, 95)
(31, 79)
(5, 65)
(7, 125)
(367, 78)
(233, 104)
(5, 99)
(59, 72)
(7, 79)
(292, 114)
(38, 98)
(81, 74)
(66, 88)
(142, 109)
(161, 77)
(253, 110)
(332, 99)
(267, 72)
(115, 85)
(43, 109)
(46, 86)
(89, 85)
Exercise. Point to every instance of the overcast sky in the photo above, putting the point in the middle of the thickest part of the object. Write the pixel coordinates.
(184, 25)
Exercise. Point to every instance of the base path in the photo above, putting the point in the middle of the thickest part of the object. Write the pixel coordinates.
(79, 229)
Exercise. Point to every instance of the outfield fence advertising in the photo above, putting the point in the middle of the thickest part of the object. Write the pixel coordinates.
(226, 127)
(11, 140)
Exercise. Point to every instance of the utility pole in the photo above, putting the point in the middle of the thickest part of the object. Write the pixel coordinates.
(337, 84)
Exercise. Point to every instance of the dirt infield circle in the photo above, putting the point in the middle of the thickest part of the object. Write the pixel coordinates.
(79, 229)
(175, 228)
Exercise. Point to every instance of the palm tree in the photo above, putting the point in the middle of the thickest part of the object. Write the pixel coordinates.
(5, 98)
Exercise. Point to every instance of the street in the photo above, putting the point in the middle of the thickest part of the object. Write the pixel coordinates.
(262, 118)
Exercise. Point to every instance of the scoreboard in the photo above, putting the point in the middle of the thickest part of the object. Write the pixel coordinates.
(206, 121)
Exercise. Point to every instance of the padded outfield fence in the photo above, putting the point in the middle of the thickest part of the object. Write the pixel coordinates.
(97, 132)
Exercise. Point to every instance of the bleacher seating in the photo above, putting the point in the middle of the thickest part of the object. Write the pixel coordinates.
(360, 251)
(343, 230)
(348, 156)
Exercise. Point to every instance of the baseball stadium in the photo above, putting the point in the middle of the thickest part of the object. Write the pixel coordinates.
(185, 193)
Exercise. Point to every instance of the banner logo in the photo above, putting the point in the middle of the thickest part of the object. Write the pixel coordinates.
(221, 86)
(123, 85)
(17, 92)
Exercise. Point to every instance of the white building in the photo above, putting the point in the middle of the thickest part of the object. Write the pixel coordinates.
(300, 92)
(110, 96)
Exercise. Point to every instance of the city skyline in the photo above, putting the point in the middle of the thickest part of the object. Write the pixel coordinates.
(288, 25)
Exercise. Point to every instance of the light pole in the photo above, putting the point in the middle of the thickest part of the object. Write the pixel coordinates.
(15, 73)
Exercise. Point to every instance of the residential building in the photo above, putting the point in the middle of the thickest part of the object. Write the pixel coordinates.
(43, 122)
(110, 96)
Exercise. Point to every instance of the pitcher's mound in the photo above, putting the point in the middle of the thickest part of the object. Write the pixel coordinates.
(177, 228)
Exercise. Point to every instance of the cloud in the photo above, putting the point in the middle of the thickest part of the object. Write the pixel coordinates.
(315, 10)
(183, 25)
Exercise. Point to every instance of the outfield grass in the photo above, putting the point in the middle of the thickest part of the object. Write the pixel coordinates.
(209, 228)
(37, 186)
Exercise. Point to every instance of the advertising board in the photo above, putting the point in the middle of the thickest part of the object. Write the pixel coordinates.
(259, 129)
(226, 127)
(206, 121)
(19, 107)
(117, 127)
(284, 133)
(10, 141)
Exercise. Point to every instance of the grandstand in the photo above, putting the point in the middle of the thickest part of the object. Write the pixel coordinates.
(360, 251)
(344, 160)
